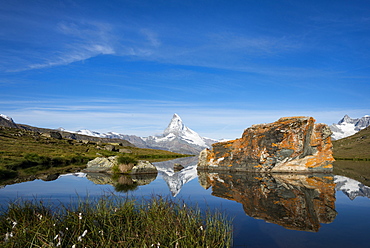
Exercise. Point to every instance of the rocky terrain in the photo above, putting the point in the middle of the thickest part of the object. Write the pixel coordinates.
(291, 144)
(6, 121)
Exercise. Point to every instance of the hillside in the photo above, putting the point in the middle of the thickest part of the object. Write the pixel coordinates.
(356, 146)
(24, 152)
(353, 156)
(6, 121)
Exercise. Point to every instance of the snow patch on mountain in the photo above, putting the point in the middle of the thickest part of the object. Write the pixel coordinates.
(6, 117)
(348, 126)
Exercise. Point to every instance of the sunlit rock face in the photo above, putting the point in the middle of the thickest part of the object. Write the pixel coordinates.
(294, 201)
(291, 144)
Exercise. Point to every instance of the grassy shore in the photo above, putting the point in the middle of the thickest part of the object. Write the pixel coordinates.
(358, 170)
(352, 156)
(24, 153)
(113, 222)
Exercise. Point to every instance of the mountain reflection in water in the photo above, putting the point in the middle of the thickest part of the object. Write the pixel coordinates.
(294, 201)
(174, 179)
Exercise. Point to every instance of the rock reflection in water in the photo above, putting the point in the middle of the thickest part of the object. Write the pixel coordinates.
(294, 201)
(122, 183)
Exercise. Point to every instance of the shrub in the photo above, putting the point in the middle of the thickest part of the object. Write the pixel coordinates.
(7, 174)
(127, 160)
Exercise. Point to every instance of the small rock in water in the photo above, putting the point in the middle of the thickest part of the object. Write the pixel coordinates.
(178, 167)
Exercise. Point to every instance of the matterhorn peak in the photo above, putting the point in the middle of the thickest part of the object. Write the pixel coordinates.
(176, 125)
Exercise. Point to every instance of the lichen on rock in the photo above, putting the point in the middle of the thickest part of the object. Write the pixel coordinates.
(291, 144)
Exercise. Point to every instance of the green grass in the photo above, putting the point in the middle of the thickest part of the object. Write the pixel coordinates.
(113, 222)
(355, 147)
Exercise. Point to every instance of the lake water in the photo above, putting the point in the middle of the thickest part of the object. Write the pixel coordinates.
(279, 210)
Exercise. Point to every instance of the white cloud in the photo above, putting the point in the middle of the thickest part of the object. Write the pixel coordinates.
(70, 42)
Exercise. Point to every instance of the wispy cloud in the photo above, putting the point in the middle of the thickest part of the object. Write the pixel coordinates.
(71, 41)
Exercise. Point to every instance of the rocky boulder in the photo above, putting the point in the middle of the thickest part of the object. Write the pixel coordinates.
(110, 164)
(291, 144)
(101, 164)
(55, 135)
(143, 167)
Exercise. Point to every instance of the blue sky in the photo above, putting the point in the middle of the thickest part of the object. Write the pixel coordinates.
(127, 66)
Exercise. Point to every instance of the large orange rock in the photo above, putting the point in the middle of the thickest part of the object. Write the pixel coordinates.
(291, 144)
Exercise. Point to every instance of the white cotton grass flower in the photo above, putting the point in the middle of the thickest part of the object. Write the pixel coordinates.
(7, 236)
(39, 216)
(80, 216)
(158, 245)
(59, 239)
(14, 224)
(79, 239)
(73, 246)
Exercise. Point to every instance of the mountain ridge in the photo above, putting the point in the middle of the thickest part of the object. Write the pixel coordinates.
(177, 137)
(8, 122)
(348, 126)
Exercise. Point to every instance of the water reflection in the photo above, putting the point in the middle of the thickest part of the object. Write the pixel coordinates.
(294, 201)
(122, 183)
(351, 188)
(177, 172)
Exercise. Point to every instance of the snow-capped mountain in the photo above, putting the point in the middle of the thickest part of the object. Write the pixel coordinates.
(176, 138)
(179, 138)
(348, 126)
(178, 129)
(351, 188)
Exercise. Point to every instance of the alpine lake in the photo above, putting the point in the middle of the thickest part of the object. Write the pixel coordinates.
(267, 210)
